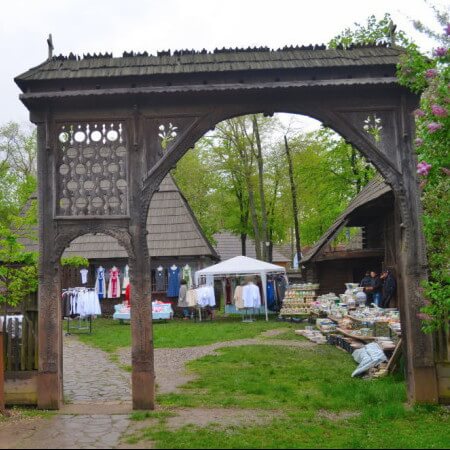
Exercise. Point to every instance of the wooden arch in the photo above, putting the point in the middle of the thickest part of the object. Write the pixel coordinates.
(137, 98)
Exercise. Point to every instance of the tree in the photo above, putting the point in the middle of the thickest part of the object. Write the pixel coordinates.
(17, 170)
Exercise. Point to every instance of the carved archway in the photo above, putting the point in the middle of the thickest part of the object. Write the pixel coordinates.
(135, 97)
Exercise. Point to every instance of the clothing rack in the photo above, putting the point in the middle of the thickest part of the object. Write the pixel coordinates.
(81, 321)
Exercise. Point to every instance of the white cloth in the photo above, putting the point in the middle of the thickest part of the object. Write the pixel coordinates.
(206, 296)
(126, 279)
(84, 276)
(251, 296)
(84, 303)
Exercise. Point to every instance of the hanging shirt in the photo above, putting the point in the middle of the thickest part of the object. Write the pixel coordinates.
(84, 276)
(174, 282)
(114, 283)
(187, 275)
(191, 298)
(270, 295)
(251, 296)
(100, 283)
(160, 279)
(238, 300)
(126, 279)
(206, 296)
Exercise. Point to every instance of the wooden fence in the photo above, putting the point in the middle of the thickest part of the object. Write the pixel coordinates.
(20, 346)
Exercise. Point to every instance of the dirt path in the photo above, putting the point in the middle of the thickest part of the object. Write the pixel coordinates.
(170, 363)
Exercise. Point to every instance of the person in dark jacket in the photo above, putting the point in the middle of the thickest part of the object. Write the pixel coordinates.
(366, 282)
(389, 288)
(374, 291)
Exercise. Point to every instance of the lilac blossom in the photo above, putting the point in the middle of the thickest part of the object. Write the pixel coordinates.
(419, 112)
(447, 30)
(418, 142)
(431, 73)
(440, 51)
(434, 126)
(439, 110)
(423, 168)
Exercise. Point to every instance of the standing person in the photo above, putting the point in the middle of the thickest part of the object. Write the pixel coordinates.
(374, 289)
(367, 280)
(389, 288)
(182, 303)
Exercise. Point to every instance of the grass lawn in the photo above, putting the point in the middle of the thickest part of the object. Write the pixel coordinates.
(110, 335)
(316, 404)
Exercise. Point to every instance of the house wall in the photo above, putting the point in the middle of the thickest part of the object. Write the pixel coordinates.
(332, 275)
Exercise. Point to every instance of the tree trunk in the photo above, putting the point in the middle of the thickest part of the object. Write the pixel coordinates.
(244, 244)
(251, 199)
(259, 159)
(294, 202)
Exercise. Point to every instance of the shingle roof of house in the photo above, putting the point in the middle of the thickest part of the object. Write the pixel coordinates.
(172, 228)
(225, 60)
(376, 188)
(228, 246)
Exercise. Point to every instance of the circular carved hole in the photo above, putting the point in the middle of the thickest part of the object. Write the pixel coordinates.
(97, 202)
(105, 152)
(64, 203)
(80, 169)
(81, 202)
(121, 151)
(114, 202)
(72, 152)
(72, 185)
(105, 184)
(112, 135)
(113, 168)
(96, 168)
(122, 185)
(63, 137)
(88, 152)
(64, 169)
(96, 136)
(89, 185)
(79, 136)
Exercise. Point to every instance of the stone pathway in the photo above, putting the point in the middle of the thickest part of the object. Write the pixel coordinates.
(90, 376)
(67, 431)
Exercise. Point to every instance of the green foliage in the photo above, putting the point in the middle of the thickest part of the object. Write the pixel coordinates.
(17, 171)
(219, 196)
(376, 31)
(18, 270)
(110, 335)
(75, 261)
(431, 76)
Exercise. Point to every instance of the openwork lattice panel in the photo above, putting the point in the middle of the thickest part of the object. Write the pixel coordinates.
(91, 173)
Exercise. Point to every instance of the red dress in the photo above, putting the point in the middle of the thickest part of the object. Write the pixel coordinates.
(127, 295)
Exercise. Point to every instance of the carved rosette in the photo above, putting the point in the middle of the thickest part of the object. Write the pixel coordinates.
(92, 170)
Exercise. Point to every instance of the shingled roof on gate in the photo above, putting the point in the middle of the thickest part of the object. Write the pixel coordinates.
(220, 60)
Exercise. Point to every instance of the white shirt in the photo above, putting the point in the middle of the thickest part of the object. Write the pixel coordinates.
(251, 296)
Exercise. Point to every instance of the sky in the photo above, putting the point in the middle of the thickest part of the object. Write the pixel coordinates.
(82, 26)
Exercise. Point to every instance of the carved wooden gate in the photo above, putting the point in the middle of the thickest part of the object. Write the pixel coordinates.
(110, 129)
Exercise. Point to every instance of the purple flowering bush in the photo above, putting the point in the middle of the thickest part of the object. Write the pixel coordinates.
(430, 76)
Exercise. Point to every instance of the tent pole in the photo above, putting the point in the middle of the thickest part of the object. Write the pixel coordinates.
(264, 281)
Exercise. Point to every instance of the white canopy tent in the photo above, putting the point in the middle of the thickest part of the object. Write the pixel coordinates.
(242, 265)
